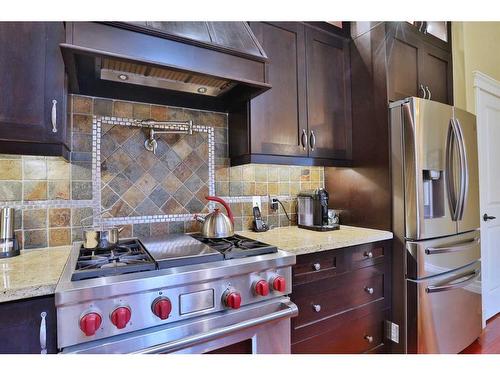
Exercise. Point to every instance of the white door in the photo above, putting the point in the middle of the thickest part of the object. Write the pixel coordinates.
(488, 132)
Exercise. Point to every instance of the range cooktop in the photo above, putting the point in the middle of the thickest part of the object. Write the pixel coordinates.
(164, 251)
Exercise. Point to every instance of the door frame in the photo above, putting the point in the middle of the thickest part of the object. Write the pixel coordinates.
(483, 85)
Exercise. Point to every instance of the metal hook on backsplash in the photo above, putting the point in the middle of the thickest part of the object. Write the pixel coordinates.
(166, 127)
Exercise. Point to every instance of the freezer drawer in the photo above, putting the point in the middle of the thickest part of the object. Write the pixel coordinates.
(433, 257)
(445, 310)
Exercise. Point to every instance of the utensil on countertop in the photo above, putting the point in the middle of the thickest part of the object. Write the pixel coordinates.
(216, 224)
(9, 246)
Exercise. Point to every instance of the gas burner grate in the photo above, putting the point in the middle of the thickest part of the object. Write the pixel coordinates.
(237, 246)
(127, 257)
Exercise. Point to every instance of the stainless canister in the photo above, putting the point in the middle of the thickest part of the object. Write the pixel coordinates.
(7, 223)
(9, 246)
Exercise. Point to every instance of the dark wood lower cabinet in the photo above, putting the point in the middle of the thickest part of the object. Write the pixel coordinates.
(20, 323)
(344, 299)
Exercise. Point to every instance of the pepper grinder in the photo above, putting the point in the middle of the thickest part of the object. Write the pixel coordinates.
(9, 246)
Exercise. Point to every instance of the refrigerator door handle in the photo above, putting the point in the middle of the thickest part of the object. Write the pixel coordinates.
(450, 173)
(471, 276)
(451, 249)
(409, 136)
(464, 171)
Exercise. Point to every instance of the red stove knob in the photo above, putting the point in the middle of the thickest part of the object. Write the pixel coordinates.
(120, 317)
(232, 300)
(261, 288)
(162, 307)
(279, 284)
(90, 323)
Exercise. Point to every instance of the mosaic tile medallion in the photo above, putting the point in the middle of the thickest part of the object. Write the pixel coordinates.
(133, 185)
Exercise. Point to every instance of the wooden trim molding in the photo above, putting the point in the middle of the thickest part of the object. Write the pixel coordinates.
(486, 83)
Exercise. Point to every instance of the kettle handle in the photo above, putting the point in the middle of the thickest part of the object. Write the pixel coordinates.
(224, 203)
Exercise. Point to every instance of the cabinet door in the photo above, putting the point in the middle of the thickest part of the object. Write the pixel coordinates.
(328, 95)
(403, 62)
(278, 116)
(32, 82)
(22, 323)
(435, 72)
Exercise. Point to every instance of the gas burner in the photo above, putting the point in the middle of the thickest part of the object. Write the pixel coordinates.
(236, 246)
(128, 256)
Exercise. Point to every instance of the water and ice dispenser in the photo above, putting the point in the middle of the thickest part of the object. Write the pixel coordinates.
(433, 186)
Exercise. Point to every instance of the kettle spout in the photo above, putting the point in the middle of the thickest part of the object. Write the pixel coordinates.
(199, 219)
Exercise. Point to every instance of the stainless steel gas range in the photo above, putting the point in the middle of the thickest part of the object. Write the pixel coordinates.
(175, 294)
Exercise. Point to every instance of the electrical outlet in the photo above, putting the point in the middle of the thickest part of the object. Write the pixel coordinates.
(256, 202)
(273, 204)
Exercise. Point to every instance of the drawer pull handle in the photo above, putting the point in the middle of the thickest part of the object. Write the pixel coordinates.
(369, 290)
(317, 266)
(369, 338)
(53, 116)
(368, 254)
(317, 308)
(43, 333)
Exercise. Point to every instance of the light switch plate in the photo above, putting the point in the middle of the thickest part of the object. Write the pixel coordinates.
(256, 202)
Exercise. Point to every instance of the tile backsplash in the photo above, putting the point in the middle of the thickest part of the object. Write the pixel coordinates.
(52, 196)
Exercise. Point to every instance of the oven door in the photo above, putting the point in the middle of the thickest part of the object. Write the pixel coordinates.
(445, 311)
(265, 326)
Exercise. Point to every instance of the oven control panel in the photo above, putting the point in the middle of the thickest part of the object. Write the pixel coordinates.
(126, 313)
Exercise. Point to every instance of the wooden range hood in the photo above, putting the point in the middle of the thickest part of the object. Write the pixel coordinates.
(205, 65)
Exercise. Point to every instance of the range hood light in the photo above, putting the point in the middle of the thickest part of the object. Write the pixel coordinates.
(123, 77)
(202, 90)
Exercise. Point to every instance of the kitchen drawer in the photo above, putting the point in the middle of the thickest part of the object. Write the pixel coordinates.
(367, 254)
(317, 266)
(358, 335)
(335, 295)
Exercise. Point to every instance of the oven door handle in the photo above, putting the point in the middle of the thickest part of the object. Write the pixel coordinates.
(471, 276)
(288, 310)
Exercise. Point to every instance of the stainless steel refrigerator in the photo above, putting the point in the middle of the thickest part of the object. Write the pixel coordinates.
(437, 266)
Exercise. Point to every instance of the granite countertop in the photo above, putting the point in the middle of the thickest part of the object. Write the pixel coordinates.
(304, 241)
(33, 273)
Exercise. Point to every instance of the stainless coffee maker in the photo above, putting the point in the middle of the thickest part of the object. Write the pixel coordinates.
(9, 246)
(313, 210)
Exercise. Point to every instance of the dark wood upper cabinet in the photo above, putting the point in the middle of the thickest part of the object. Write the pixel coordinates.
(279, 115)
(328, 95)
(32, 81)
(403, 56)
(437, 73)
(417, 67)
(305, 118)
(437, 33)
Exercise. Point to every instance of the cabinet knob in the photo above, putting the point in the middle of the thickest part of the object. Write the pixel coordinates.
(368, 254)
(369, 290)
(317, 308)
(303, 139)
(428, 92)
(43, 333)
(54, 116)
(369, 338)
(317, 266)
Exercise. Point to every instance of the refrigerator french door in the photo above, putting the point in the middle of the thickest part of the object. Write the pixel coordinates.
(435, 222)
